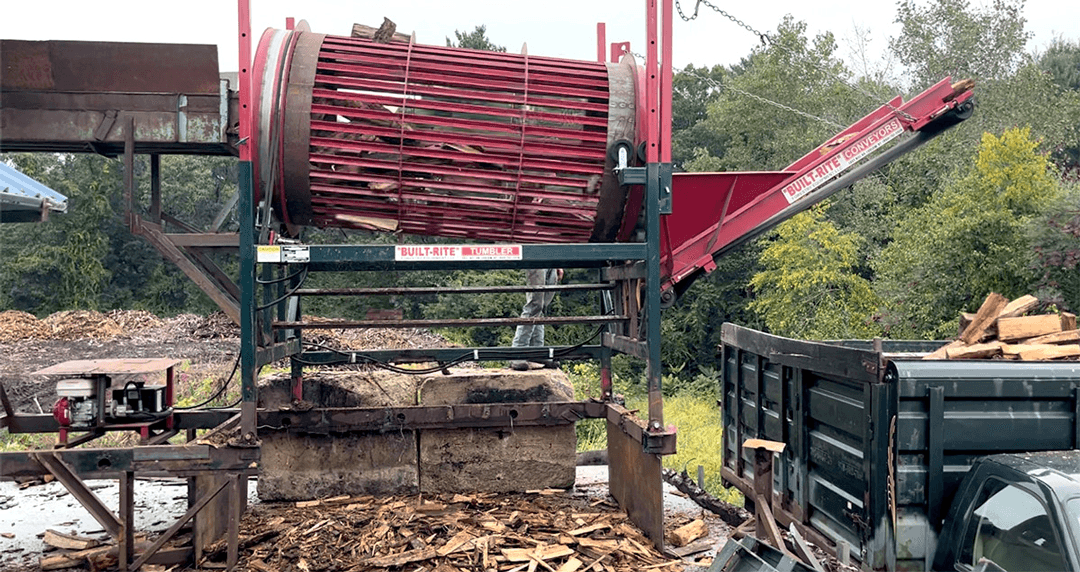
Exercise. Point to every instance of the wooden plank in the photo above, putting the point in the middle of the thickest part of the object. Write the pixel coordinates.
(975, 351)
(772, 533)
(368, 32)
(803, 548)
(571, 565)
(68, 541)
(688, 533)
(943, 351)
(415, 555)
(1014, 350)
(1051, 352)
(1019, 307)
(1056, 338)
(1068, 321)
(984, 318)
(1011, 329)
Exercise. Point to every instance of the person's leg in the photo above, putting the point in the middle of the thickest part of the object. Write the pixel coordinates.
(526, 335)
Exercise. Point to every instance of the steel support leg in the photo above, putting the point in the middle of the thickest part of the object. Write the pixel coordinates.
(236, 509)
(127, 520)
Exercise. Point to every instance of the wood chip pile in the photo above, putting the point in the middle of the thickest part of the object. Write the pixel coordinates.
(1002, 330)
(547, 530)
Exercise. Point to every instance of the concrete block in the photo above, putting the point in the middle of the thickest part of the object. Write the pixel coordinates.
(298, 466)
(301, 466)
(496, 460)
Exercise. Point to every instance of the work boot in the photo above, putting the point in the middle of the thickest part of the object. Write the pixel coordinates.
(518, 365)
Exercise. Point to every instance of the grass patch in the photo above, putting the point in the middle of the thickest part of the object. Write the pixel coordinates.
(692, 410)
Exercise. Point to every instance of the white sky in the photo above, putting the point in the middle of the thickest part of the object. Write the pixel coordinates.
(559, 28)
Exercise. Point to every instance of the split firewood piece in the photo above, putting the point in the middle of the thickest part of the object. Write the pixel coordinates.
(368, 32)
(317, 502)
(1051, 352)
(965, 321)
(571, 565)
(986, 315)
(1057, 338)
(942, 352)
(73, 559)
(68, 541)
(406, 557)
(588, 529)
(976, 351)
(1011, 329)
(1019, 307)
(1013, 351)
(688, 533)
(261, 566)
(459, 542)
(1068, 321)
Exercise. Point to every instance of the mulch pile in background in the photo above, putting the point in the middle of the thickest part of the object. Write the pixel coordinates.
(18, 326)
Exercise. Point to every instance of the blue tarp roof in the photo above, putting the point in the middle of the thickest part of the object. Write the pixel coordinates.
(22, 199)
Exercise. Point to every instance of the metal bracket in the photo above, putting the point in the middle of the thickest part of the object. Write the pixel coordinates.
(665, 188)
(631, 176)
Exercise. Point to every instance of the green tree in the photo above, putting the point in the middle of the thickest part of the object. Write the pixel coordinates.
(968, 240)
(1055, 238)
(807, 287)
(758, 111)
(474, 40)
(692, 90)
(1062, 61)
(952, 37)
(58, 265)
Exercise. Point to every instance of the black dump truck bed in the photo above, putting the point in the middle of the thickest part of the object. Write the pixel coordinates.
(877, 439)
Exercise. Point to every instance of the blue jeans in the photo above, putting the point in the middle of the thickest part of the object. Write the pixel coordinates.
(528, 335)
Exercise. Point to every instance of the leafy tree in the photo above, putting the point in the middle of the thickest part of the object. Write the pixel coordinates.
(968, 240)
(474, 40)
(690, 330)
(757, 112)
(692, 90)
(58, 265)
(952, 37)
(807, 287)
(1062, 61)
(1055, 236)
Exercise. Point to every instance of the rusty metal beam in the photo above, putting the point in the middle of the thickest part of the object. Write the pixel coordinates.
(179, 460)
(232, 528)
(329, 325)
(211, 268)
(204, 239)
(78, 489)
(448, 290)
(62, 96)
(127, 520)
(155, 188)
(433, 417)
(153, 233)
(625, 345)
(634, 478)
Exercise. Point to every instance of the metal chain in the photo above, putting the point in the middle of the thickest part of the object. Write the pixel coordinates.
(719, 85)
(766, 40)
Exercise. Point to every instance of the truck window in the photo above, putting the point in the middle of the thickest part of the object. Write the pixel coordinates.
(1011, 528)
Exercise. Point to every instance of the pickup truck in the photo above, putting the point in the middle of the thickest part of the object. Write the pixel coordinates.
(914, 464)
